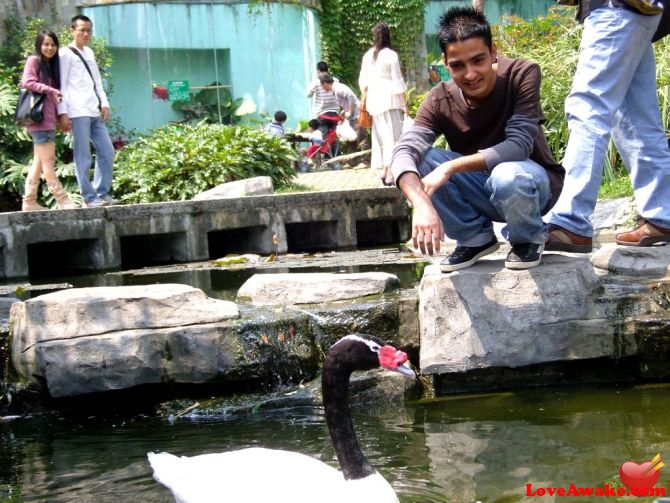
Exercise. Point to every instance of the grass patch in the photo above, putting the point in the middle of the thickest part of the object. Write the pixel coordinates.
(297, 187)
(616, 187)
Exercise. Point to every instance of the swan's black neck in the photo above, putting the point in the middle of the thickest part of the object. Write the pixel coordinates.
(335, 384)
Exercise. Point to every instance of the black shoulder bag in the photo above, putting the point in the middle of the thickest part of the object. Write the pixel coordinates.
(95, 89)
(29, 108)
(663, 26)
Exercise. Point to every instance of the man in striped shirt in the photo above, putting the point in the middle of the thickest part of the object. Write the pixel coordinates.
(323, 99)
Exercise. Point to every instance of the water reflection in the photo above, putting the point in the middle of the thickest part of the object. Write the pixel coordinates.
(456, 449)
(223, 283)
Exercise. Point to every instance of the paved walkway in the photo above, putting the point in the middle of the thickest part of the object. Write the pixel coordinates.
(352, 178)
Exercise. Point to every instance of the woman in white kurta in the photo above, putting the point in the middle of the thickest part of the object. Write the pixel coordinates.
(383, 88)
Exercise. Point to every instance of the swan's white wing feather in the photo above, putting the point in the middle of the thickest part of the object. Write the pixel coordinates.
(247, 475)
(373, 488)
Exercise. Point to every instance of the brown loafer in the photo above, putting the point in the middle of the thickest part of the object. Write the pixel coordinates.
(560, 239)
(645, 234)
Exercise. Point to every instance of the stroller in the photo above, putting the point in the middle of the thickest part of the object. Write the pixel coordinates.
(328, 149)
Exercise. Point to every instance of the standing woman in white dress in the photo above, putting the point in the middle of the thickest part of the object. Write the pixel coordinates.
(383, 90)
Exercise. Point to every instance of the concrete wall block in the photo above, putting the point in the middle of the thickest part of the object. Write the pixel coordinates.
(184, 227)
(227, 218)
(14, 254)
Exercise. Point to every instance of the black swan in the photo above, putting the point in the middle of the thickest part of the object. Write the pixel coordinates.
(261, 475)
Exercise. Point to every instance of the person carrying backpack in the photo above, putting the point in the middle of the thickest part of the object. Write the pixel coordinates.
(613, 95)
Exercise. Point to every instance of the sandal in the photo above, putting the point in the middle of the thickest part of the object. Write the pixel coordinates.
(387, 178)
(645, 234)
(560, 239)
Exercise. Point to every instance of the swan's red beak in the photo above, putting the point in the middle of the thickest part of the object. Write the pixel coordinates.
(393, 359)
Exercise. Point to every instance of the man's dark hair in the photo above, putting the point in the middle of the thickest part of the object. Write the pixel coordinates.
(80, 17)
(462, 23)
(280, 116)
(322, 66)
(326, 78)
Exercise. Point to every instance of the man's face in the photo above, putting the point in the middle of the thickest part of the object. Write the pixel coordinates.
(471, 65)
(81, 32)
(328, 86)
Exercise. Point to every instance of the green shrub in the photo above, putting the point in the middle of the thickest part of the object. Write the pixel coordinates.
(617, 187)
(176, 162)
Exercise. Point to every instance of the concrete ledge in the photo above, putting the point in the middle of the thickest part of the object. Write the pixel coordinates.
(123, 237)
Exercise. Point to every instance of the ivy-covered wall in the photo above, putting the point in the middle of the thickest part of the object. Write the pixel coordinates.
(346, 33)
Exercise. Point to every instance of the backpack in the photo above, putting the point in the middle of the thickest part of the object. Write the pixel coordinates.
(664, 26)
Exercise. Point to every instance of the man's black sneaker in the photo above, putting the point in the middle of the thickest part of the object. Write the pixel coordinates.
(524, 255)
(465, 256)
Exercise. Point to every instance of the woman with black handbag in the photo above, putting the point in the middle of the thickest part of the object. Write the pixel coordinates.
(41, 75)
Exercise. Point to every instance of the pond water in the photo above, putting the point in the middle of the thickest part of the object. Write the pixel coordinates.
(463, 448)
(223, 282)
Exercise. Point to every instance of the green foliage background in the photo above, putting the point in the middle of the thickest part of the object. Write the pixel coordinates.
(174, 162)
(346, 33)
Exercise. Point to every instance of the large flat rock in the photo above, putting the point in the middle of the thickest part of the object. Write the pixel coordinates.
(652, 261)
(90, 340)
(98, 310)
(313, 288)
(489, 316)
(128, 358)
(78, 336)
(258, 185)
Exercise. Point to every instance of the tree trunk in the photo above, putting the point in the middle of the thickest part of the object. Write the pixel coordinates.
(417, 73)
(478, 4)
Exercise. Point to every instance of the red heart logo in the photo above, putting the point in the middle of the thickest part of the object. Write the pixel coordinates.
(634, 477)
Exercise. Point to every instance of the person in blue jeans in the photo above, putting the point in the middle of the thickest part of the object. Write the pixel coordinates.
(498, 168)
(613, 95)
(84, 110)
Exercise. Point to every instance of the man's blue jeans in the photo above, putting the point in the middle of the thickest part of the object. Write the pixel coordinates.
(469, 203)
(614, 93)
(87, 130)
